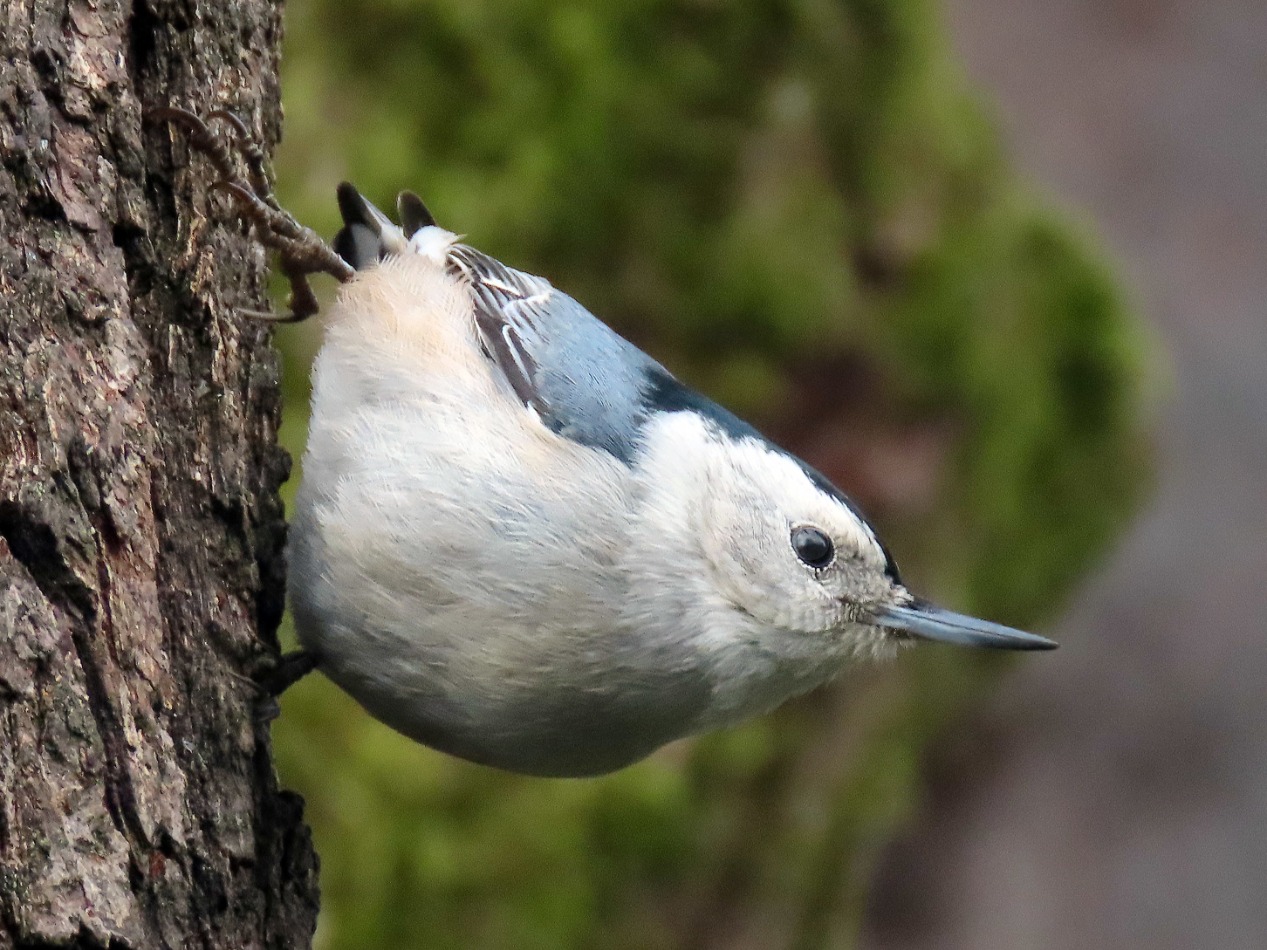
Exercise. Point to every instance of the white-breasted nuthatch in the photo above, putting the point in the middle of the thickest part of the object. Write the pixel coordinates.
(520, 540)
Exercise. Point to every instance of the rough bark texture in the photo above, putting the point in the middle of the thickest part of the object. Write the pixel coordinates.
(141, 572)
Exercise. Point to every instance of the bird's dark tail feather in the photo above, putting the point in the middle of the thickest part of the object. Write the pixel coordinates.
(368, 235)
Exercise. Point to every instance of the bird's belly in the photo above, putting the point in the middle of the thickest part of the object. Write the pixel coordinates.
(553, 727)
(455, 566)
(539, 682)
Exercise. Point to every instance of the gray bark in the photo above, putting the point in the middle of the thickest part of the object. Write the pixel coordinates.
(141, 534)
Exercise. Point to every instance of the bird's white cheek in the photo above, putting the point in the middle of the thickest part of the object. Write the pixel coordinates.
(775, 598)
(813, 612)
(753, 574)
(739, 580)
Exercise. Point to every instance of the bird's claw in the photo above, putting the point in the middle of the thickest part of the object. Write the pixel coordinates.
(278, 673)
(301, 251)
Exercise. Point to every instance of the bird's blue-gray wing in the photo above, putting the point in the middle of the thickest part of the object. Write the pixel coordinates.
(583, 380)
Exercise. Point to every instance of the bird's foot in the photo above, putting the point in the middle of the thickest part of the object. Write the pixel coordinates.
(284, 671)
(301, 251)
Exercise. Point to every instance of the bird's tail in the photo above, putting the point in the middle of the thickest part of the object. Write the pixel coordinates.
(368, 235)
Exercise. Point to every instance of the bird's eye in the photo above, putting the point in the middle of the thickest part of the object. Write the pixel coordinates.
(812, 546)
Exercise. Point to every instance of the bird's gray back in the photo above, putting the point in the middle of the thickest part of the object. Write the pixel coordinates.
(585, 381)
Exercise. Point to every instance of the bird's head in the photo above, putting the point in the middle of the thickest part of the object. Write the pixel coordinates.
(779, 546)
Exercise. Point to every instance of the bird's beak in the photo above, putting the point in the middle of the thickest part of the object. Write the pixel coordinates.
(922, 621)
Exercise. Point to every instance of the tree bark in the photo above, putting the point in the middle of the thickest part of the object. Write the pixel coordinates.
(141, 534)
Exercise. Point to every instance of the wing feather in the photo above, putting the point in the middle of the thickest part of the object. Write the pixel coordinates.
(581, 379)
(508, 307)
(577, 376)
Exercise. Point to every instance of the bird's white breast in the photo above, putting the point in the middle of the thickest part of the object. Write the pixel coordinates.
(450, 555)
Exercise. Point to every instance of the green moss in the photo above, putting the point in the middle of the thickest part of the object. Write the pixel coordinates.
(759, 193)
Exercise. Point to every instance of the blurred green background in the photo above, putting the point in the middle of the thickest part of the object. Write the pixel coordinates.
(801, 208)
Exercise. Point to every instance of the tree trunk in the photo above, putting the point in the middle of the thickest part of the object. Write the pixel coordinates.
(141, 565)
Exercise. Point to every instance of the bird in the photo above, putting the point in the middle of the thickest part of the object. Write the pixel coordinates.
(522, 541)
